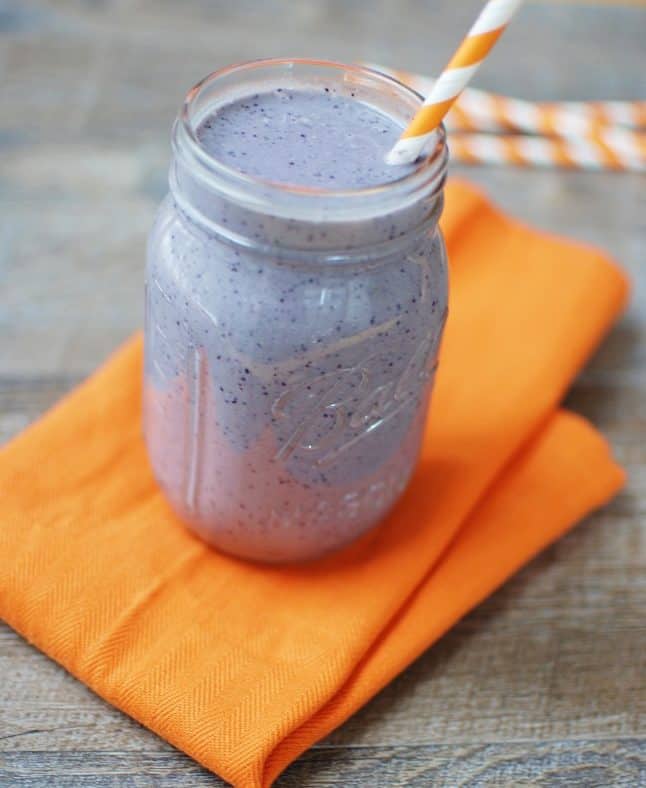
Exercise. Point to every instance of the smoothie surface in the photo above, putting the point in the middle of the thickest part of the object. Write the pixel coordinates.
(311, 138)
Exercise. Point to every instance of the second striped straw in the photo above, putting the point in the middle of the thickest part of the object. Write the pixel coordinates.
(468, 57)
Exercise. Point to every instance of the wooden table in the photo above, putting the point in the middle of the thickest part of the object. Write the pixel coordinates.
(541, 685)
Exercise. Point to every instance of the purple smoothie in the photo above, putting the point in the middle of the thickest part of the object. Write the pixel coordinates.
(289, 355)
(316, 139)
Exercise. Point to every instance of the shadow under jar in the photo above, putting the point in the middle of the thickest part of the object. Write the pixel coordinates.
(292, 330)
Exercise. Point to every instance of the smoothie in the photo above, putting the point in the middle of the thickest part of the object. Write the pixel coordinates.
(316, 139)
(290, 357)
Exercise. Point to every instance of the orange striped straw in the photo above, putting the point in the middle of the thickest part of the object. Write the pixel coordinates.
(611, 148)
(486, 30)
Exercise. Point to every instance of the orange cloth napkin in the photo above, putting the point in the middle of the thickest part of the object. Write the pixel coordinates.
(244, 666)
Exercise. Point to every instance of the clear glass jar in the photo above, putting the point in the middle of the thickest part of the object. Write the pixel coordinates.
(291, 334)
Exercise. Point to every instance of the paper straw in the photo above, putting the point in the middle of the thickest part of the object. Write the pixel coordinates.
(468, 57)
(611, 149)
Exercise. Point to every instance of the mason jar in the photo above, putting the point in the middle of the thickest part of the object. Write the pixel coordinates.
(291, 334)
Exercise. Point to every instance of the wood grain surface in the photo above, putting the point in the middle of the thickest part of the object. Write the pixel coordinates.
(543, 684)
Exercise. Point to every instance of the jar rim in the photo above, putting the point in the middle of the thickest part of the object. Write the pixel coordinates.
(297, 201)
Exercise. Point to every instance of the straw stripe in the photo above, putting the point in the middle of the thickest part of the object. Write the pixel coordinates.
(434, 114)
(495, 14)
(587, 154)
(631, 114)
(549, 122)
(570, 124)
(514, 155)
(612, 160)
(463, 119)
(484, 33)
(630, 147)
(536, 151)
(450, 83)
(519, 113)
(474, 49)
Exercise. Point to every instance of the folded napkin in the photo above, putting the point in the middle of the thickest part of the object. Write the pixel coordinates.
(245, 666)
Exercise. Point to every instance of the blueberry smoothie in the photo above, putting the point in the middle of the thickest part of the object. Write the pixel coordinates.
(296, 293)
(312, 138)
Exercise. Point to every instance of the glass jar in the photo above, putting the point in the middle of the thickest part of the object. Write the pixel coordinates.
(291, 334)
